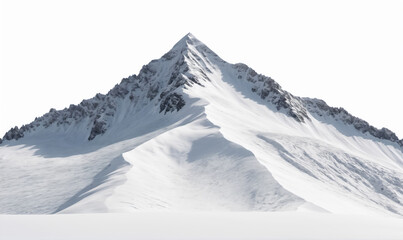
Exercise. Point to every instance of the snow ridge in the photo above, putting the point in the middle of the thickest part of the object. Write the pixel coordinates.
(268, 89)
(320, 109)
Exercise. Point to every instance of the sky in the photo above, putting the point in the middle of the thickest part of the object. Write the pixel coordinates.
(348, 53)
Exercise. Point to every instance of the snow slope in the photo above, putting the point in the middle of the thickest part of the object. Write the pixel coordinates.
(193, 132)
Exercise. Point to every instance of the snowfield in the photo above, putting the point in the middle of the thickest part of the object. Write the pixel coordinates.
(200, 225)
(213, 150)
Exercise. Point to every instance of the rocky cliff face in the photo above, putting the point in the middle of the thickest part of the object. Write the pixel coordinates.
(269, 90)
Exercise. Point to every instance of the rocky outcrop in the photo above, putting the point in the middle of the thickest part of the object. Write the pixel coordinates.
(321, 109)
(270, 91)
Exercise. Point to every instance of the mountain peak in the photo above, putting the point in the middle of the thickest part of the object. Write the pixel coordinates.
(188, 39)
(189, 36)
(193, 132)
(161, 82)
(184, 43)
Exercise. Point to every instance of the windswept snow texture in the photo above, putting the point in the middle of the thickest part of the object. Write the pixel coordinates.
(200, 170)
(193, 132)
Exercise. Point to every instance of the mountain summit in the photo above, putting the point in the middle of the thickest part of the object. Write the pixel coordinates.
(188, 62)
(194, 132)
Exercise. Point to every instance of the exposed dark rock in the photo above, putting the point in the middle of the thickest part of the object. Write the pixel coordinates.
(173, 101)
(118, 91)
(14, 133)
(169, 55)
(99, 127)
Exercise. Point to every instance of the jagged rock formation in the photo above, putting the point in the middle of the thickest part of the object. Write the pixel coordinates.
(271, 91)
(320, 108)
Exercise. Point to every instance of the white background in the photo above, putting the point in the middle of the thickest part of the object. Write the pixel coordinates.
(349, 53)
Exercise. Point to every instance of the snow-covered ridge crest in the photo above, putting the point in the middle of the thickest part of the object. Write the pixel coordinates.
(269, 90)
(159, 85)
(320, 109)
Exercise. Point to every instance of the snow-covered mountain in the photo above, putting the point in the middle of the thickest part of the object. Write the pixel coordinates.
(193, 132)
